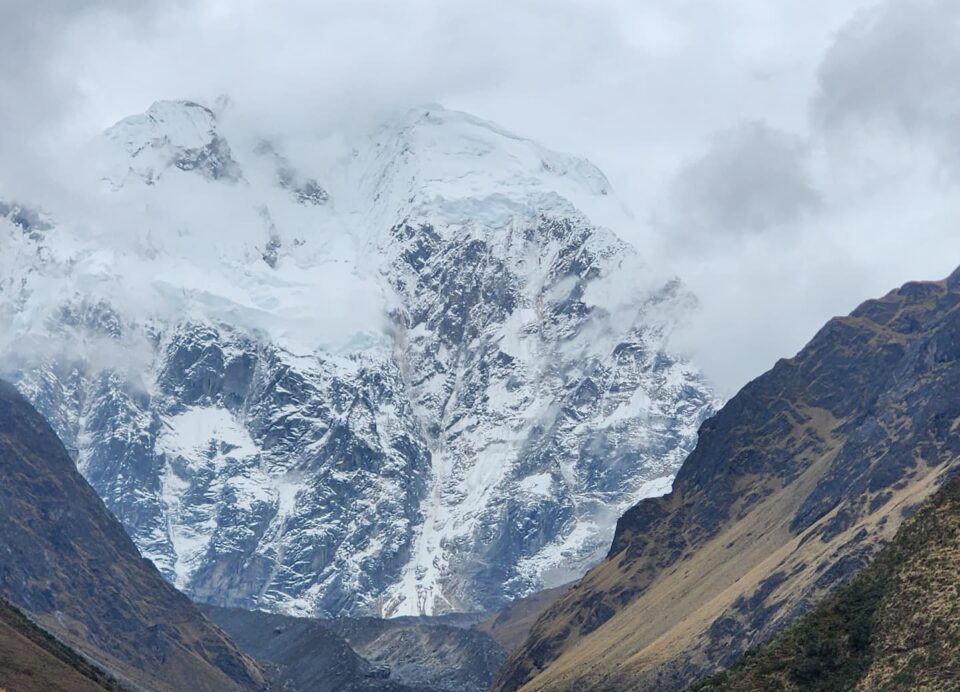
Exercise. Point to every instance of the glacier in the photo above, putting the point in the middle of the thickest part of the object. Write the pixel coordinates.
(417, 377)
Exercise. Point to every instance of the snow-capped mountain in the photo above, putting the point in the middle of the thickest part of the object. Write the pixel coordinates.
(416, 378)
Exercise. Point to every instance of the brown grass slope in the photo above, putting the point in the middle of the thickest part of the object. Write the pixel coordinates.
(793, 487)
(67, 562)
(510, 625)
(31, 660)
(895, 626)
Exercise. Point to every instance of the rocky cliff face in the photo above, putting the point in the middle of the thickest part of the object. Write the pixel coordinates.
(420, 379)
(69, 565)
(793, 487)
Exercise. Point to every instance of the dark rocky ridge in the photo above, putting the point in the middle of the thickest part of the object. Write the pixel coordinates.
(510, 625)
(444, 653)
(793, 487)
(301, 654)
(69, 564)
(397, 655)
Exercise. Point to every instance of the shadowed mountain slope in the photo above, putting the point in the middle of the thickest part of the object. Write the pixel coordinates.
(793, 487)
(407, 654)
(69, 564)
(510, 625)
(303, 654)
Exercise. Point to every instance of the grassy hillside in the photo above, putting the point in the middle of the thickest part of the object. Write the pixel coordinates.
(896, 626)
(31, 660)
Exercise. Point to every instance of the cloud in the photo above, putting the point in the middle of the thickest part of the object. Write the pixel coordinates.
(309, 64)
(776, 231)
(785, 159)
(752, 179)
(895, 65)
(41, 90)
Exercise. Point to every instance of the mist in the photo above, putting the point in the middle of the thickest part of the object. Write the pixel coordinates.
(779, 159)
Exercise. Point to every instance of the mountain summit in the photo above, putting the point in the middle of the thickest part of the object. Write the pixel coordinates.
(413, 379)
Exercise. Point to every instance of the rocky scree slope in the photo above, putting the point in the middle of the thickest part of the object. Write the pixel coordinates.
(792, 489)
(444, 653)
(402, 654)
(416, 379)
(895, 626)
(302, 654)
(69, 565)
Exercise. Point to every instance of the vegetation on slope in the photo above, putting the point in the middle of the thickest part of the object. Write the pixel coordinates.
(896, 626)
(31, 659)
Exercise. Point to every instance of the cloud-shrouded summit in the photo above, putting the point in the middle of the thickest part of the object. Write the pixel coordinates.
(412, 377)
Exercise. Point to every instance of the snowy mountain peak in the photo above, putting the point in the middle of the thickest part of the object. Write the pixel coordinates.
(436, 133)
(180, 134)
(180, 124)
(435, 392)
(431, 161)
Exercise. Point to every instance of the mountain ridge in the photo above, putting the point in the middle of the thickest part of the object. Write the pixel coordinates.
(71, 567)
(793, 487)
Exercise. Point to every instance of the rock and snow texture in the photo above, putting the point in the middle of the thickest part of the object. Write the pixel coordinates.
(427, 382)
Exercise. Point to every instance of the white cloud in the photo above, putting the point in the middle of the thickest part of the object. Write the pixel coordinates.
(787, 159)
(857, 200)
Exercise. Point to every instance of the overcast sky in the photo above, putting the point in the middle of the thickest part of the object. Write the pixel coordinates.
(787, 159)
